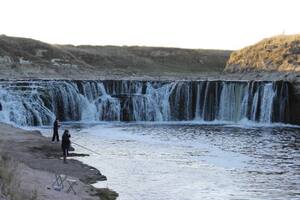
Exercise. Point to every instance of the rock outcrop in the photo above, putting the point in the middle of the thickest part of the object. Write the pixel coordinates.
(275, 54)
(275, 58)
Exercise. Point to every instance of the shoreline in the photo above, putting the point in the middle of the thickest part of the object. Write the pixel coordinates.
(32, 161)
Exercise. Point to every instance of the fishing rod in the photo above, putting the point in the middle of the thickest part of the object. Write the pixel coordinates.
(86, 148)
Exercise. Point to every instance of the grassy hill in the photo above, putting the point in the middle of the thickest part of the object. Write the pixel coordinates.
(276, 54)
(22, 57)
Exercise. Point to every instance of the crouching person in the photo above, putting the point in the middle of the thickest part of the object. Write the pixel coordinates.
(65, 144)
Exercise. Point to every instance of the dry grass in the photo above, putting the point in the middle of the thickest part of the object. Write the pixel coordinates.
(279, 53)
(90, 61)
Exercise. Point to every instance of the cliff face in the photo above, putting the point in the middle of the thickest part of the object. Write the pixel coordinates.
(271, 59)
(22, 58)
(275, 54)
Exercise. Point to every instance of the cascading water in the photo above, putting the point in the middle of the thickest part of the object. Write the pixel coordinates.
(38, 102)
(231, 101)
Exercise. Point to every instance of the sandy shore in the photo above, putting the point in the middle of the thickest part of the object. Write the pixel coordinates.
(29, 163)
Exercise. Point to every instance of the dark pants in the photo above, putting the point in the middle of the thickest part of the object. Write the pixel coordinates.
(55, 135)
(65, 151)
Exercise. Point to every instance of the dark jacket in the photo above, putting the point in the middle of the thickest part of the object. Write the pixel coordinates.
(65, 141)
(55, 126)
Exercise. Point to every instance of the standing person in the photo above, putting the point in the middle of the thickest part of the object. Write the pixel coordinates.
(55, 130)
(65, 144)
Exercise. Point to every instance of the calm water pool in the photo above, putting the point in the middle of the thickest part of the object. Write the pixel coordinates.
(193, 161)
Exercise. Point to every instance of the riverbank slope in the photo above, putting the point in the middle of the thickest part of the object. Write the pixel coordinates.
(29, 163)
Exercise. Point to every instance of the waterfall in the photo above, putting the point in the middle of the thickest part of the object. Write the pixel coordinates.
(38, 102)
(267, 103)
(198, 111)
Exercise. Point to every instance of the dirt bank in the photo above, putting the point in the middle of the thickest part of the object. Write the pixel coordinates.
(29, 163)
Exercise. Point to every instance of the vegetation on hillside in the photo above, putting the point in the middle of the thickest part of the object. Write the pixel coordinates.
(280, 53)
(151, 59)
(32, 58)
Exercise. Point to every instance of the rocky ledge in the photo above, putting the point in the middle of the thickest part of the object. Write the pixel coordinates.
(275, 58)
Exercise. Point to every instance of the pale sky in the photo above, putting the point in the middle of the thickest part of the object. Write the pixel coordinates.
(210, 24)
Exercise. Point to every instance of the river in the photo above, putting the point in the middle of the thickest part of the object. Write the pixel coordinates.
(192, 160)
